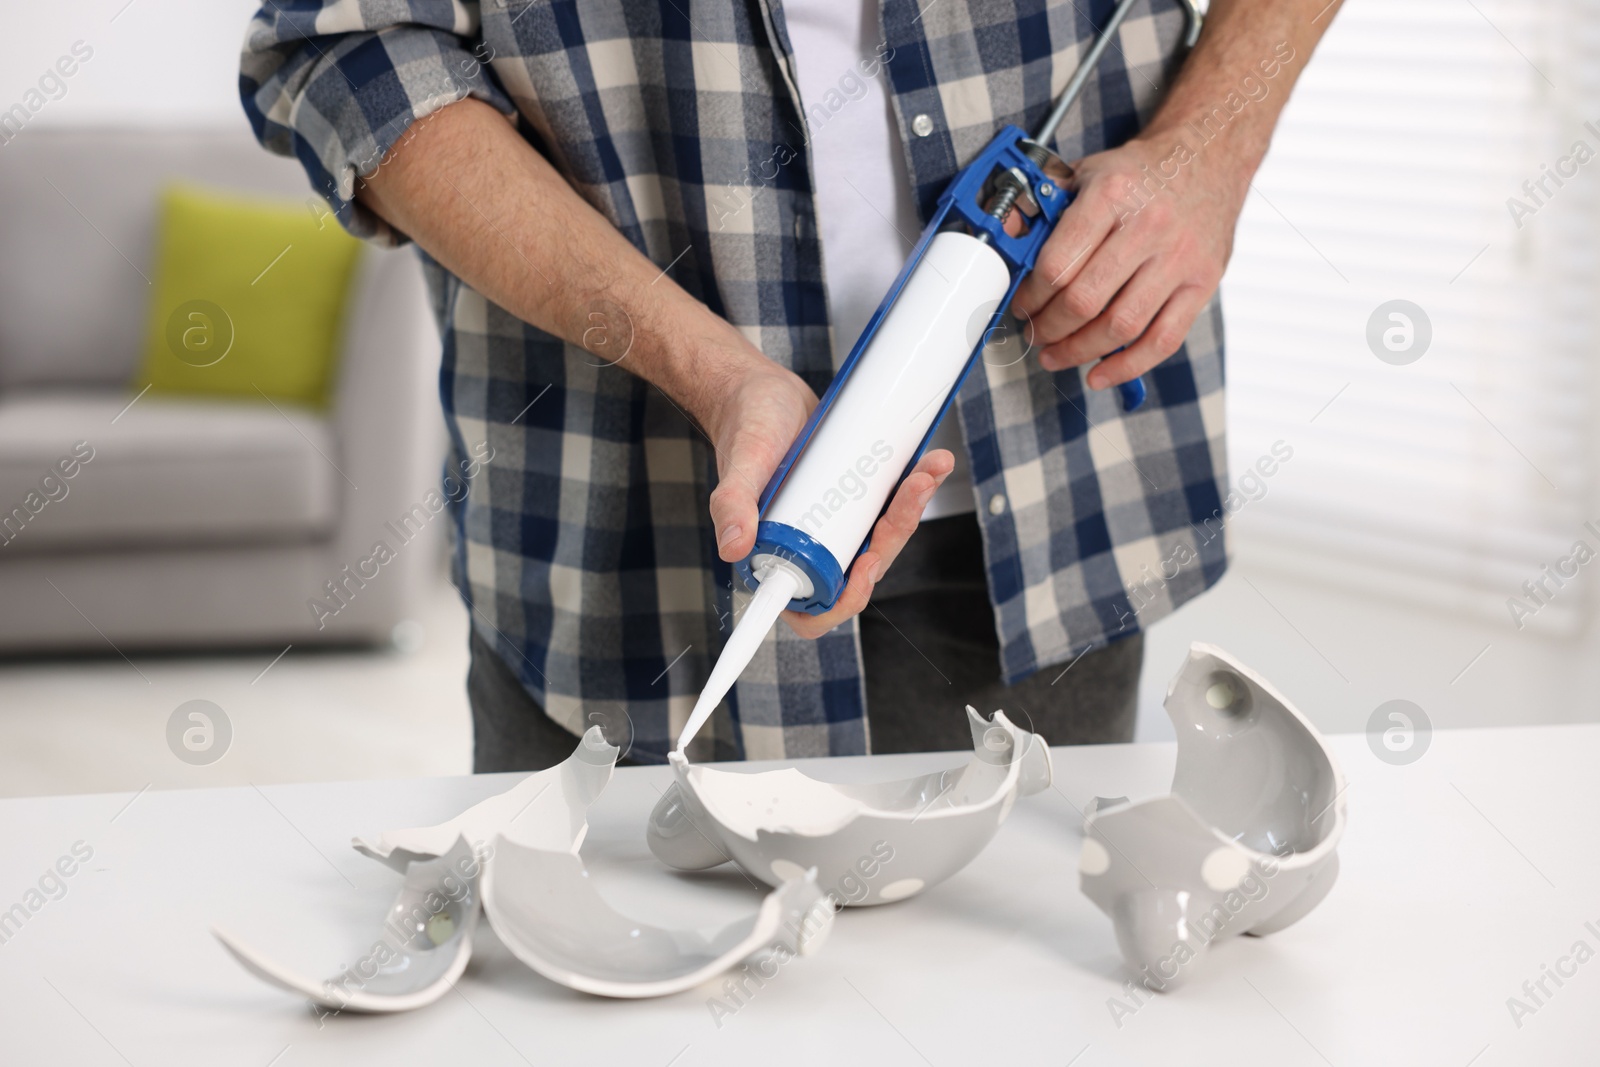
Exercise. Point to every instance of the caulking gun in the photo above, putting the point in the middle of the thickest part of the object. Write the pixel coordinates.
(889, 395)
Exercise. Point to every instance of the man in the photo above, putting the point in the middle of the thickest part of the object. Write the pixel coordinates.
(639, 221)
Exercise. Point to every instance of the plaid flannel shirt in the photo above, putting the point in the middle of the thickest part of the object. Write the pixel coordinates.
(584, 550)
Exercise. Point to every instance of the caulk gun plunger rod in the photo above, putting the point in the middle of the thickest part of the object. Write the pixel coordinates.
(1009, 188)
(1080, 77)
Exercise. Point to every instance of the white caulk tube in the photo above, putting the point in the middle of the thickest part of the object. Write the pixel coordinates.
(865, 440)
(838, 486)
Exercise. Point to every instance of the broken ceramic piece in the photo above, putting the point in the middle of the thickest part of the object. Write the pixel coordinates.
(427, 935)
(548, 911)
(870, 844)
(424, 945)
(548, 809)
(518, 853)
(1246, 841)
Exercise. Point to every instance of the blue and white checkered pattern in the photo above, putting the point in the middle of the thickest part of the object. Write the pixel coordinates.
(585, 548)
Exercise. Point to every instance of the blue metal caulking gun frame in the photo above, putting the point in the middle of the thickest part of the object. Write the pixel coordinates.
(1010, 170)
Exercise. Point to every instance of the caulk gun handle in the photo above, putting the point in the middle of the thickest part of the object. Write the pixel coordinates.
(1132, 394)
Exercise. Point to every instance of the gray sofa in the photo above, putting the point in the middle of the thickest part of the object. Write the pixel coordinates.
(193, 522)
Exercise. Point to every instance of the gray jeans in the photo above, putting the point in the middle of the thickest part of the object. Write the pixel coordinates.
(929, 648)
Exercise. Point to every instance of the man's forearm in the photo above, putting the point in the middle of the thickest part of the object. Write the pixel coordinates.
(471, 191)
(485, 204)
(1228, 94)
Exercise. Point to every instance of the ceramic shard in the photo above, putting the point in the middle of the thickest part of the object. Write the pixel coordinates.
(422, 948)
(547, 910)
(427, 934)
(1245, 842)
(518, 853)
(547, 809)
(870, 844)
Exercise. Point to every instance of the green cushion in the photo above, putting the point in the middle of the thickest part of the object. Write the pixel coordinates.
(248, 299)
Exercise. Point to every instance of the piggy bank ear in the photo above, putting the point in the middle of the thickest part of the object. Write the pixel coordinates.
(1001, 742)
(675, 838)
(1037, 770)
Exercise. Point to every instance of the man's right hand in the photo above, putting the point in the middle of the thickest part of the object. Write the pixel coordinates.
(753, 415)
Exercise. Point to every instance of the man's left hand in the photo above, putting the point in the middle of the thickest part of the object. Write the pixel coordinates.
(1130, 268)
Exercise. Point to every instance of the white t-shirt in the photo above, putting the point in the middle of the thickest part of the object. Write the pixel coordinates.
(865, 211)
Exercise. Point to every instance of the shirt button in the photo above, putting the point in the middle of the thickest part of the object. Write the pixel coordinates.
(922, 125)
(799, 227)
(997, 504)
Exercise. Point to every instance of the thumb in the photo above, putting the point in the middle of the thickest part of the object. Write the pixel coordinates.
(743, 468)
(765, 415)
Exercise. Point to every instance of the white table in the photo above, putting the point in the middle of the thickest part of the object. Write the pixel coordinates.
(1462, 875)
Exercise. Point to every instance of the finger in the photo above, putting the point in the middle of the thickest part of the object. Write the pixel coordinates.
(1164, 337)
(1091, 292)
(889, 536)
(904, 513)
(1082, 228)
(744, 468)
(1122, 323)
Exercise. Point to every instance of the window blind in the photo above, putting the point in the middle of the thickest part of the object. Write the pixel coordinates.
(1454, 479)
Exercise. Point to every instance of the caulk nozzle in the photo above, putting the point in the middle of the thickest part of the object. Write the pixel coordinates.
(777, 588)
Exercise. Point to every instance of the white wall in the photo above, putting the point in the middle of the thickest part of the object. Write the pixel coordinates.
(154, 63)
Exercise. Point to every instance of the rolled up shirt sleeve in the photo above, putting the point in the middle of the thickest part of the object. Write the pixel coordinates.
(338, 84)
